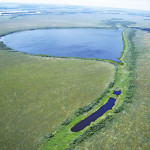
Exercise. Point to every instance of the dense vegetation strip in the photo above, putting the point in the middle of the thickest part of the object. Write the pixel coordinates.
(130, 56)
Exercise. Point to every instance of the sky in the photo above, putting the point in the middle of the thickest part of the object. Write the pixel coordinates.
(128, 4)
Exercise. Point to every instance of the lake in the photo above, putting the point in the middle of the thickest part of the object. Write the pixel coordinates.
(69, 42)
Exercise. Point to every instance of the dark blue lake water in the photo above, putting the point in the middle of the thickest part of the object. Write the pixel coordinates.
(72, 42)
(117, 92)
(87, 121)
(103, 109)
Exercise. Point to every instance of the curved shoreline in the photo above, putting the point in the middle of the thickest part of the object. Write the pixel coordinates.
(41, 55)
(109, 28)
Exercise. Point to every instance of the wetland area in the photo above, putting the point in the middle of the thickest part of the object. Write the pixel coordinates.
(103, 109)
(47, 90)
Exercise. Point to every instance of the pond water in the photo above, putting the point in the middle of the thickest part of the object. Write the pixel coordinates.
(94, 116)
(69, 42)
(117, 92)
(87, 121)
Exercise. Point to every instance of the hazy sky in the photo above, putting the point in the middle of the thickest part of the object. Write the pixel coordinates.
(129, 4)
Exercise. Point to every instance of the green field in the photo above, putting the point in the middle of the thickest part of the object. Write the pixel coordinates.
(38, 93)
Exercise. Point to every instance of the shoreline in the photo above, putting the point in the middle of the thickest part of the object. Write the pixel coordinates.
(42, 28)
(41, 55)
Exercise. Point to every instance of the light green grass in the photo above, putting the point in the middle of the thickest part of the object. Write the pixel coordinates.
(37, 94)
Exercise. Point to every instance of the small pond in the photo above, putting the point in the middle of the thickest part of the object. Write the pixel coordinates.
(69, 42)
(117, 92)
(94, 116)
(87, 121)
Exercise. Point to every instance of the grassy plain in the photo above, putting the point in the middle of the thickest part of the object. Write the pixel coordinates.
(8, 24)
(38, 93)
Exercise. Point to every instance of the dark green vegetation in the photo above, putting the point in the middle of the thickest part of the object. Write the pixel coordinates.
(4, 47)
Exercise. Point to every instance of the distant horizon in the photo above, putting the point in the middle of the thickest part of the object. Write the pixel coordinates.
(121, 4)
(107, 7)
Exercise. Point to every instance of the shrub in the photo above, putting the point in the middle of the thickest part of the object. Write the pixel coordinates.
(49, 136)
(119, 109)
(4, 47)
(67, 121)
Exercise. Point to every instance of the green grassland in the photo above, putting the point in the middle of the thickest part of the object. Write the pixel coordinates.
(38, 93)
(8, 24)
